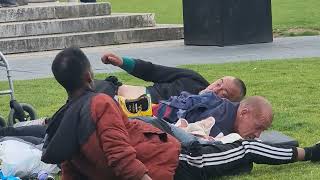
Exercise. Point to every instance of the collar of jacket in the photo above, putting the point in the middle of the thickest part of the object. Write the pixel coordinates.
(61, 140)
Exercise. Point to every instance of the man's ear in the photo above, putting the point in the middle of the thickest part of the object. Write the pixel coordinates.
(244, 111)
(88, 77)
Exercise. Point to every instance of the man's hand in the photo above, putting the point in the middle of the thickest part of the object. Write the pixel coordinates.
(146, 177)
(109, 58)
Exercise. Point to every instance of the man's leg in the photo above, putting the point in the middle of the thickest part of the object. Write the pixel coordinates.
(206, 161)
(34, 130)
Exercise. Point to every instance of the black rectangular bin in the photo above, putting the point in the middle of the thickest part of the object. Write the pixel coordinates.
(227, 22)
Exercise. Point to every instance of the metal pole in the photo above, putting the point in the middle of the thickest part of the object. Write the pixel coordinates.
(6, 65)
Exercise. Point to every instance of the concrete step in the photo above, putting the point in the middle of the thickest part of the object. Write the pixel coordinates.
(95, 23)
(90, 39)
(43, 11)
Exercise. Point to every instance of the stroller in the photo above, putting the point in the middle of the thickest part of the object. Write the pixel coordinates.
(19, 111)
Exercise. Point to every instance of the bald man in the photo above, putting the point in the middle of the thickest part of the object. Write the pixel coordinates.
(168, 81)
(248, 118)
(254, 115)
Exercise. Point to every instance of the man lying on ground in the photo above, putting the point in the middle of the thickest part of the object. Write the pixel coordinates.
(168, 81)
(248, 118)
(92, 138)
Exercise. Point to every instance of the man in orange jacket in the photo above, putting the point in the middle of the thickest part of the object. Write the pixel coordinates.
(92, 138)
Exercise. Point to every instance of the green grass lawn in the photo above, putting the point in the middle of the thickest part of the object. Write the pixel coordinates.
(292, 86)
(290, 17)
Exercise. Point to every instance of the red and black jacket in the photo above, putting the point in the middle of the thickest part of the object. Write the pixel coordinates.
(93, 139)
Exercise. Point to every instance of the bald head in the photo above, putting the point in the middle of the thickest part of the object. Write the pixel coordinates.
(254, 116)
(259, 105)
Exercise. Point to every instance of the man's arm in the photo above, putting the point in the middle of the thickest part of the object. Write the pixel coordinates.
(114, 139)
(162, 74)
(151, 72)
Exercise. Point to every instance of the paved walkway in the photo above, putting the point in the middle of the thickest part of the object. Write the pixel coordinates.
(170, 53)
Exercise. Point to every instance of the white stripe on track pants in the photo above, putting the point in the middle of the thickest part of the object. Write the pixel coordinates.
(201, 162)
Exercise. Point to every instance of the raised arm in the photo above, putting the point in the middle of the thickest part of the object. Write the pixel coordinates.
(150, 72)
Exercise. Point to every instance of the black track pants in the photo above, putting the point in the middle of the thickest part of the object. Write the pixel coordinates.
(202, 162)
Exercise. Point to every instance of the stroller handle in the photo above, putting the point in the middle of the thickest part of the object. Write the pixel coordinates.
(4, 63)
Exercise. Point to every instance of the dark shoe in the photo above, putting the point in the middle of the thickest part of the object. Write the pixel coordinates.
(316, 153)
(313, 153)
(114, 80)
(2, 122)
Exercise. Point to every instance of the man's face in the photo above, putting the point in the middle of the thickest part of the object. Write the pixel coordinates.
(225, 88)
(251, 126)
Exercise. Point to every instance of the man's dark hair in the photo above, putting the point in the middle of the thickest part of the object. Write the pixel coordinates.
(242, 86)
(69, 67)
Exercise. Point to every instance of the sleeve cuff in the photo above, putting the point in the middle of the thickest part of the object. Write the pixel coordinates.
(139, 170)
(128, 64)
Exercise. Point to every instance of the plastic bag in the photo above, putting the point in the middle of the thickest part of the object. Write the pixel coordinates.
(21, 159)
(2, 177)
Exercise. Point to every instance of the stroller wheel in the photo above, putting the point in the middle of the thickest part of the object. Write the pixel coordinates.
(30, 114)
(2, 122)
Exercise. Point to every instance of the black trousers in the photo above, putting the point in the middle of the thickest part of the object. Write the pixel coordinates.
(203, 162)
(34, 130)
(33, 134)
